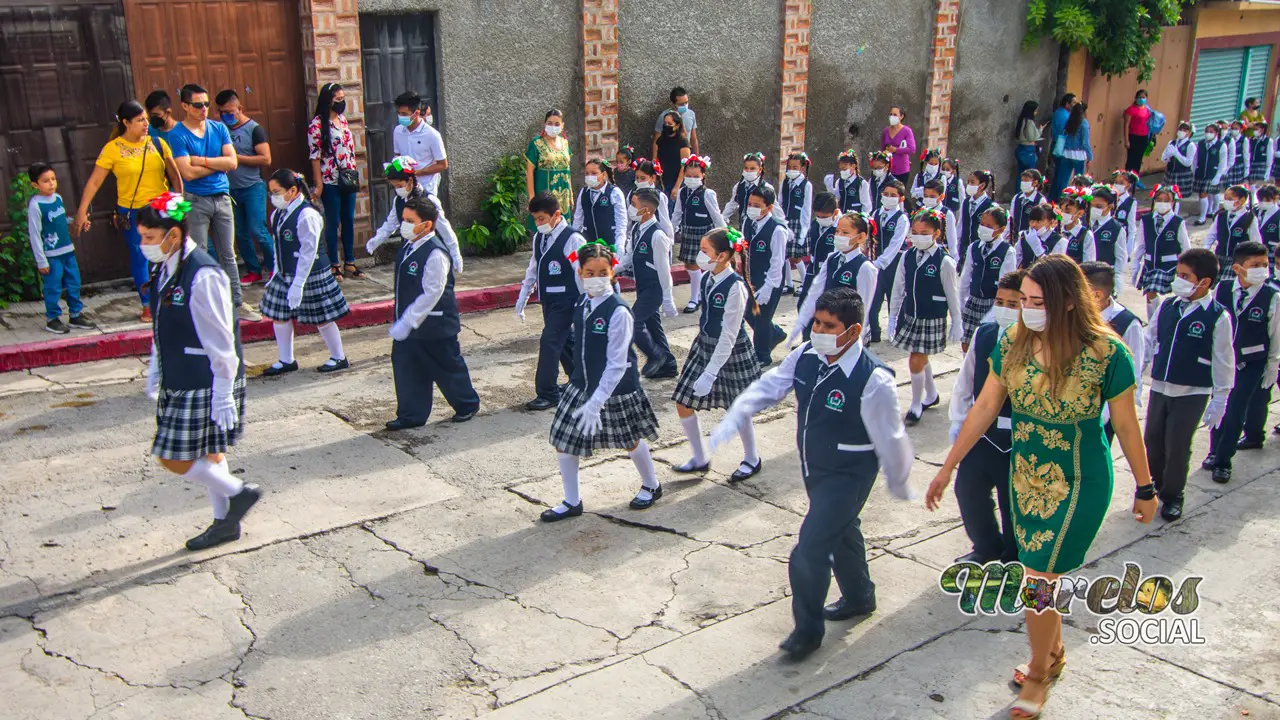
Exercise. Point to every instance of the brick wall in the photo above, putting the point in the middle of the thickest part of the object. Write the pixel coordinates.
(946, 26)
(600, 77)
(795, 77)
(331, 53)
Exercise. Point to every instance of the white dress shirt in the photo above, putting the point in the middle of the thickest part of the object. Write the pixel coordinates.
(1131, 224)
(1273, 325)
(310, 228)
(1224, 162)
(621, 327)
(210, 305)
(1089, 249)
(777, 261)
(434, 277)
(619, 200)
(661, 256)
(963, 393)
(1254, 234)
(1122, 241)
(391, 226)
(864, 193)
(423, 144)
(572, 245)
(930, 172)
(1007, 265)
(894, 246)
(950, 285)
(1134, 339)
(1224, 354)
(1188, 158)
(1263, 219)
(735, 308)
(663, 215)
(878, 409)
(1032, 238)
(868, 276)
(731, 207)
(1270, 142)
(709, 201)
(1140, 247)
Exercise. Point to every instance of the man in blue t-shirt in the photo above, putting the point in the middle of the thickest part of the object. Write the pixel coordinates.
(203, 151)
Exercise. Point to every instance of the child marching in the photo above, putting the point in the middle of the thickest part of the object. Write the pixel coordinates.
(826, 212)
(976, 202)
(1212, 157)
(697, 213)
(1101, 278)
(848, 266)
(401, 172)
(892, 226)
(1262, 155)
(1125, 208)
(990, 259)
(1234, 224)
(1269, 221)
(650, 263)
(601, 209)
(880, 179)
(797, 207)
(1077, 241)
(934, 199)
(649, 177)
(852, 190)
(930, 169)
(624, 170)
(1029, 195)
(1110, 234)
(1180, 158)
(1162, 237)
(950, 176)
(1041, 235)
(1240, 153)
(766, 236)
(752, 178)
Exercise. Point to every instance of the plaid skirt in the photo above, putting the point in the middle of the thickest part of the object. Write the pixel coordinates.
(690, 243)
(1225, 273)
(625, 420)
(1156, 281)
(1202, 186)
(1235, 175)
(1258, 174)
(737, 373)
(322, 300)
(183, 428)
(921, 335)
(974, 310)
(795, 248)
(1181, 178)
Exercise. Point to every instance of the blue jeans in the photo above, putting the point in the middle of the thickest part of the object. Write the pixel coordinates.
(249, 207)
(64, 274)
(139, 268)
(339, 207)
(1028, 157)
(1063, 170)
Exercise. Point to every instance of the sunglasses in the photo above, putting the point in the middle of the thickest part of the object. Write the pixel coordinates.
(199, 105)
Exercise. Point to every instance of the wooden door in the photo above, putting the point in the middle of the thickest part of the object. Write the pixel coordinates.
(251, 46)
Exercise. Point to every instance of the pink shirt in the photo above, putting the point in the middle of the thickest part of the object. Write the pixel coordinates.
(1138, 116)
(903, 146)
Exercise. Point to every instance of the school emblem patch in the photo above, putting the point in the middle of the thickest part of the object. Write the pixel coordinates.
(846, 277)
(1196, 330)
(413, 268)
(1255, 313)
(178, 296)
(835, 401)
(604, 201)
(760, 245)
(995, 262)
(717, 300)
(930, 270)
(288, 236)
(1272, 228)
(1237, 232)
(553, 267)
(695, 201)
(600, 326)
(643, 247)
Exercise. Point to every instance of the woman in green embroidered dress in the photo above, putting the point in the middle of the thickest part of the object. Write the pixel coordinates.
(548, 164)
(1057, 365)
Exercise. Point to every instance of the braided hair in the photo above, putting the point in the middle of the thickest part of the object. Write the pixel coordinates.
(731, 241)
(594, 250)
(603, 166)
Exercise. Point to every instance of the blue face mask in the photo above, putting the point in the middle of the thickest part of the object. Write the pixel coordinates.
(404, 121)
(1142, 101)
(228, 119)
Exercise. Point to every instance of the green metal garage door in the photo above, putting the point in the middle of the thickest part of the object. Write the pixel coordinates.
(1224, 78)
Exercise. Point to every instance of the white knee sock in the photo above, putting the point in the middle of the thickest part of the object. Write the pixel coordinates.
(218, 482)
(284, 340)
(644, 465)
(1151, 307)
(917, 392)
(747, 432)
(569, 478)
(930, 390)
(802, 268)
(695, 286)
(1204, 208)
(693, 431)
(332, 340)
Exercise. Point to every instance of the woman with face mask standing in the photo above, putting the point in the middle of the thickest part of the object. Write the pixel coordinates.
(1136, 136)
(549, 164)
(196, 373)
(335, 181)
(898, 139)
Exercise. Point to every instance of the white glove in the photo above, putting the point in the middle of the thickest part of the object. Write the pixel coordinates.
(588, 417)
(153, 379)
(373, 244)
(702, 387)
(223, 412)
(295, 296)
(1269, 377)
(1213, 414)
(956, 333)
(795, 335)
(457, 263)
(763, 295)
(520, 307)
(724, 432)
(399, 330)
(955, 432)
(669, 308)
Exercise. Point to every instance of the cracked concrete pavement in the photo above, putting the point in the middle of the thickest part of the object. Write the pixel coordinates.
(405, 575)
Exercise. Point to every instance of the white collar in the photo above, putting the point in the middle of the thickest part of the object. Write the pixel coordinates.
(555, 231)
(1202, 302)
(594, 302)
(642, 226)
(846, 361)
(1111, 310)
(1248, 291)
(854, 251)
(171, 262)
(418, 243)
(288, 209)
(726, 272)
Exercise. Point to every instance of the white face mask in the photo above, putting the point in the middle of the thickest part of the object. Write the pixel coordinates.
(825, 222)
(1068, 220)
(970, 190)
(889, 203)
(793, 174)
(1097, 215)
(1266, 207)
(879, 173)
(1235, 133)
(591, 180)
(750, 175)
(1210, 137)
(1163, 208)
(828, 345)
(546, 229)
(1005, 317)
(843, 243)
(1183, 288)
(633, 214)
(894, 119)
(930, 170)
(1120, 190)
(1231, 206)
(279, 202)
(644, 184)
(755, 213)
(922, 242)
(1257, 276)
(552, 130)
(406, 230)
(693, 183)
(1182, 134)
(1036, 319)
(597, 286)
(429, 119)
(153, 253)
(930, 202)
(1027, 186)
(986, 234)
(846, 174)
(705, 262)
(946, 176)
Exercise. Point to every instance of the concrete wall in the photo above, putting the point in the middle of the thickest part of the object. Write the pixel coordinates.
(863, 58)
(727, 55)
(502, 65)
(994, 77)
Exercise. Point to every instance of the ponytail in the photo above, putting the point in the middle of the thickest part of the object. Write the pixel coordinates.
(288, 179)
(731, 241)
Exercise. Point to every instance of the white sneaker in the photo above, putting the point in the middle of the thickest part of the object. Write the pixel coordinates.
(248, 313)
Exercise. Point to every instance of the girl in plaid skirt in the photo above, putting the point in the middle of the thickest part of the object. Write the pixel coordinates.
(302, 287)
(1179, 157)
(604, 405)
(1240, 155)
(196, 373)
(797, 206)
(697, 212)
(649, 175)
(1162, 237)
(990, 259)
(1213, 159)
(924, 296)
(722, 361)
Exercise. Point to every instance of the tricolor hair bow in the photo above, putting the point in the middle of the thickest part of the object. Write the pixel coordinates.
(171, 205)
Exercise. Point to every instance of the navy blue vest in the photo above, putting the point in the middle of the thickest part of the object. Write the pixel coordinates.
(1207, 159)
(695, 219)
(184, 364)
(1021, 204)
(442, 321)
(1124, 206)
(642, 267)
(1028, 254)
(1251, 323)
(443, 230)
(1163, 252)
(830, 434)
(557, 288)
(886, 230)
(845, 274)
(288, 246)
(1258, 152)
(1230, 236)
(1075, 242)
(924, 298)
(917, 185)
(1177, 167)
(985, 338)
(761, 251)
(877, 190)
(792, 197)
(1105, 237)
(711, 322)
(597, 217)
(1122, 321)
(1269, 228)
(741, 192)
(1188, 338)
(821, 244)
(591, 335)
(850, 194)
(970, 217)
(1239, 151)
(984, 270)
(952, 198)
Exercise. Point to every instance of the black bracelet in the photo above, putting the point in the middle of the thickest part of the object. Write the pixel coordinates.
(1145, 492)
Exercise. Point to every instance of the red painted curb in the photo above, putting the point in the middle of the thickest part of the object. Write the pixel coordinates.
(130, 343)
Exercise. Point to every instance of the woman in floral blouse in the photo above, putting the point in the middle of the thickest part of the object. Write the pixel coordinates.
(333, 149)
(548, 164)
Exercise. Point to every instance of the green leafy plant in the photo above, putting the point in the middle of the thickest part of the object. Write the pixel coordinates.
(18, 277)
(502, 228)
(1118, 34)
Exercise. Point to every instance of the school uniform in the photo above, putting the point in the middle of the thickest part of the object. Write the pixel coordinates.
(556, 277)
(1031, 246)
(853, 193)
(980, 278)
(848, 430)
(1127, 215)
(51, 248)
(1181, 164)
(302, 265)
(1111, 244)
(877, 191)
(738, 203)
(650, 263)
(1240, 158)
(1077, 243)
(953, 198)
(605, 368)
(1161, 239)
(625, 180)
(767, 259)
(1269, 230)
(1131, 331)
(426, 311)
(1212, 162)
(970, 217)
(390, 226)
(1189, 349)
(852, 270)
(602, 214)
(924, 296)
(697, 213)
(797, 207)
(986, 467)
(1225, 235)
(722, 348)
(1262, 153)
(1255, 313)
(890, 239)
(927, 173)
(1019, 218)
(821, 245)
(663, 215)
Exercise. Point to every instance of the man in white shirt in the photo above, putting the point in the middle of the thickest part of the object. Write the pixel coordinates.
(415, 136)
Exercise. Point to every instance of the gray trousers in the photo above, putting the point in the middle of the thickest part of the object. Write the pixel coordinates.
(212, 225)
(1171, 423)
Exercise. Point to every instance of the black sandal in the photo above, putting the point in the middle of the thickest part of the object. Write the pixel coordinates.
(352, 270)
(337, 272)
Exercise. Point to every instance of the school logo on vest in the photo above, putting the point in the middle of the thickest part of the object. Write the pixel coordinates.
(643, 247)
(1237, 232)
(553, 267)
(695, 201)
(600, 326)
(604, 201)
(1272, 228)
(995, 262)
(288, 236)
(413, 268)
(178, 296)
(760, 245)
(1255, 313)
(846, 277)
(930, 270)
(717, 300)
(835, 401)
(1196, 330)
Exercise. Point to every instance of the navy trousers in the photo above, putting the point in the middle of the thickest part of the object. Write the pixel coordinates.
(555, 350)
(418, 364)
(1246, 391)
(1256, 418)
(986, 468)
(884, 286)
(764, 333)
(649, 336)
(830, 541)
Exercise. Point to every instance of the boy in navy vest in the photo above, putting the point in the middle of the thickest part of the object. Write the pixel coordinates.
(650, 263)
(1268, 212)
(402, 174)
(1234, 224)
(849, 426)
(425, 331)
(55, 255)
(1252, 302)
(767, 238)
(1192, 361)
(986, 467)
(1102, 282)
(556, 277)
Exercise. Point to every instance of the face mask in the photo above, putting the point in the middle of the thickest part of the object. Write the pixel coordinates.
(846, 174)
(1036, 319)
(1068, 220)
(1163, 208)
(228, 119)
(1120, 190)
(340, 106)
(755, 213)
(828, 345)
(946, 176)
(750, 175)
(644, 184)
(1210, 137)
(153, 253)
(793, 174)
(1182, 134)
(879, 173)
(591, 180)
(1232, 206)
(155, 122)
(1183, 288)
(1005, 317)
(1097, 215)
(1235, 133)
(970, 190)
(843, 243)
(922, 242)
(986, 234)
(889, 203)
(1142, 101)
(668, 130)
(1027, 186)
(402, 192)
(826, 222)
(429, 119)
(705, 262)
(894, 119)
(406, 230)
(930, 202)
(1266, 207)
(552, 130)
(930, 170)
(545, 229)
(279, 202)
(404, 120)
(1257, 276)
(633, 214)
(693, 183)
(597, 286)
(683, 107)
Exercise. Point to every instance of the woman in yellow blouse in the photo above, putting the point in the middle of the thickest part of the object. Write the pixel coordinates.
(548, 163)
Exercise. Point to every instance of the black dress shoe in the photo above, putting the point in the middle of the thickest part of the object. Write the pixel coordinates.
(651, 367)
(1275, 430)
(334, 366)
(402, 424)
(798, 647)
(541, 403)
(1222, 475)
(280, 369)
(688, 468)
(933, 404)
(242, 501)
(911, 419)
(786, 290)
(1249, 444)
(221, 531)
(655, 495)
(739, 475)
(550, 515)
(1171, 511)
(976, 557)
(843, 610)
(692, 307)
(1209, 463)
(667, 370)
(463, 417)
